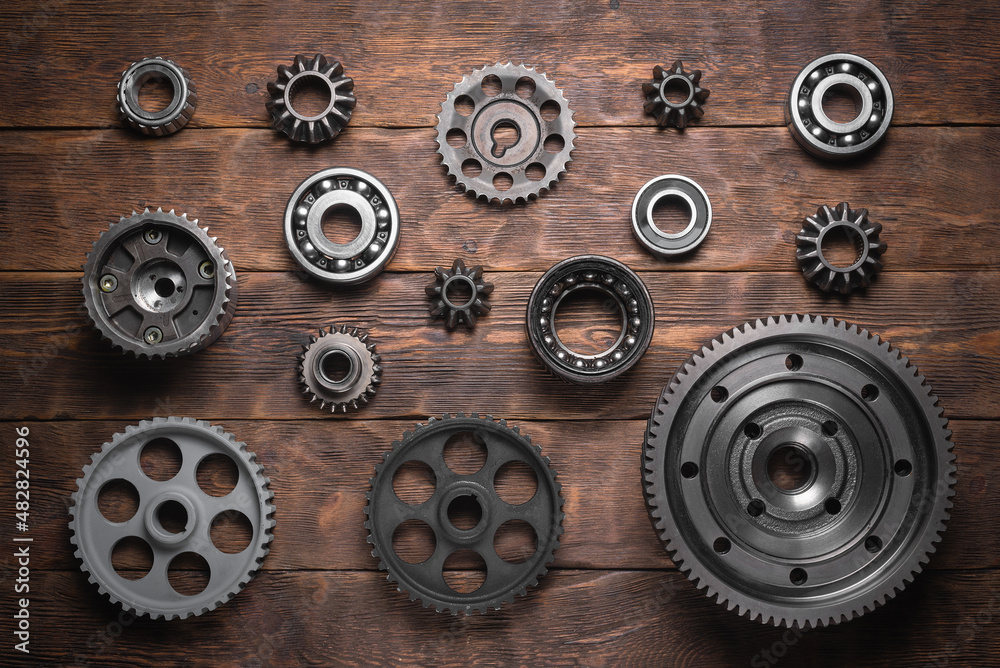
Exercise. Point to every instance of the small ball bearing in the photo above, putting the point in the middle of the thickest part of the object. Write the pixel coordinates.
(328, 190)
(820, 135)
(623, 288)
(694, 199)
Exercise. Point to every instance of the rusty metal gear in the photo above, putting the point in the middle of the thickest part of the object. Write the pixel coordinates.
(446, 285)
(322, 73)
(675, 81)
(844, 221)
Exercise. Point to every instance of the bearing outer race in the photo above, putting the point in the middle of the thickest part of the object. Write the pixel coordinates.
(644, 228)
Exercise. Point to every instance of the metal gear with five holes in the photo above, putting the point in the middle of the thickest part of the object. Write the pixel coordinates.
(455, 310)
(340, 368)
(799, 470)
(667, 111)
(854, 224)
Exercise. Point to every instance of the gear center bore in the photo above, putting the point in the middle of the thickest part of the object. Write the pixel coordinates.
(338, 368)
(677, 91)
(163, 506)
(492, 137)
(159, 286)
(459, 291)
(464, 502)
(310, 90)
(831, 246)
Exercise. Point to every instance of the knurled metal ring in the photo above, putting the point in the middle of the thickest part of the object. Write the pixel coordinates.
(171, 118)
(677, 188)
(336, 188)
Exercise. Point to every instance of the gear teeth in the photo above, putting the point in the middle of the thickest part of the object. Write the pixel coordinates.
(819, 270)
(293, 124)
(359, 393)
(666, 111)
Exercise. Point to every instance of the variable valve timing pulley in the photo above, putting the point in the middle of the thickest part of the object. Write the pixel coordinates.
(799, 470)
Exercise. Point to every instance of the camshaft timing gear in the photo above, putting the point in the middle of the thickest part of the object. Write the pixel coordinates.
(349, 190)
(688, 96)
(171, 118)
(497, 506)
(340, 368)
(799, 470)
(156, 285)
(505, 133)
(174, 518)
(813, 247)
(824, 137)
(319, 73)
(620, 287)
(446, 287)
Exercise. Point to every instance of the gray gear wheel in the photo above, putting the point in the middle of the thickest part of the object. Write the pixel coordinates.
(799, 470)
(468, 308)
(505, 578)
(171, 118)
(505, 133)
(340, 368)
(854, 224)
(321, 73)
(95, 537)
(658, 96)
(156, 285)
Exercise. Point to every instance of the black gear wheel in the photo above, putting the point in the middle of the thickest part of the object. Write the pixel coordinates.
(675, 80)
(469, 307)
(324, 74)
(843, 220)
(426, 445)
(340, 368)
(799, 470)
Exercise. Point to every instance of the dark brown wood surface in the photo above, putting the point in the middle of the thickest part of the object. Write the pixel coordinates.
(68, 169)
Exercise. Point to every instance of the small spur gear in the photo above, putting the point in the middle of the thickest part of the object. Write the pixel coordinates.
(843, 220)
(316, 71)
(340, 368)
(667, 111)
(465, 309)
(171, 118)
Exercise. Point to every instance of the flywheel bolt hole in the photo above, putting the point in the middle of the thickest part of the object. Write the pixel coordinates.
(793, 362)
(689, 469)
(755, 508)
(798, 576)
(721, 545)
(902, 467)
(752, 430)
(719, 394)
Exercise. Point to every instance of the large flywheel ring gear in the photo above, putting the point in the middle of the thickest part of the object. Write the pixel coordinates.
(321, 73)
(174, 116)
(340, 368)
(511, 99)
(815, 236)
(505, 578)
(668, 111)
(799, 470)
(95, 536)
(156, 285)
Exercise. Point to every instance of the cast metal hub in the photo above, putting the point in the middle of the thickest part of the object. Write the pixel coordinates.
(340, 368)
(445, 288)
(660, 100)
(813, 243)
(171, 118)
(799, 470)
(321, 74)
(505, 133)
(156, 285)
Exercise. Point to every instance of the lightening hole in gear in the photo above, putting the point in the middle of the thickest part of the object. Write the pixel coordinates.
(525, 87)
(719, 394)
(869, 393)
(164, 287)
(535, 171)
(842, 246)
(789, 468)
(189, 573)
(842, 103)
(464, 105)
(413, 541)
(755, 508)
(873, 544)
(505, 135)
(132, 558)
(231, 532)
(472, 168)
(515, 482)
(457, 138)
(459, 292)
(675, 90)
(464, 512)
(335, 365)
(491, 85)
(671, 214)
(554, 143)
(550, 110)
(798, 576)
(588, 321)
(832, 506)
(217, 474)
(793, 362)
(752, 430)
(722, 545)
(414, 482)
(503, 181)
(160, 459)
(515, 541)
(118, 500)
(310, 96)
(464, 571)
(172, 516)
(902, 468)
(830, 428)
(156, 92)
(465, 453)
(689, 470)
(341, 224)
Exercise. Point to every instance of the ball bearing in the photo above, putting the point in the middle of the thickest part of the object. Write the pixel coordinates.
(165, 121)
(664, 188)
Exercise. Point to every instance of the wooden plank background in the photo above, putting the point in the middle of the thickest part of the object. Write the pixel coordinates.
(68, 169)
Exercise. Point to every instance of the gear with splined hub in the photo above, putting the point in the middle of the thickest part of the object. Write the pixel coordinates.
(678, 112)
(340, 368)
(505, 133)
(814, 242)
(454, 309)
(323, 74)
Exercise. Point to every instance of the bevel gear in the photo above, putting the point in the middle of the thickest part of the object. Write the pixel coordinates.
(95, 537)
(670, 112)
(175, 115)
(453, 310)
(855, 225)
(321, 73)
(515, 100)
(504, 579)
(156, 285)
(799, 470)
(340, 368)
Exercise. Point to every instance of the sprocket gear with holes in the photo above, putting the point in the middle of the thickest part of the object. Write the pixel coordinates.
(340, 368)
(818, 268)
(316, 71)
(669, 112)
(451, 309)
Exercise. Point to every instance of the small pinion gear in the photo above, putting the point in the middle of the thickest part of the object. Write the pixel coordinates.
(340, 368)
(459, 309)
(323, 74)
(667, 111)
(813, 242)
